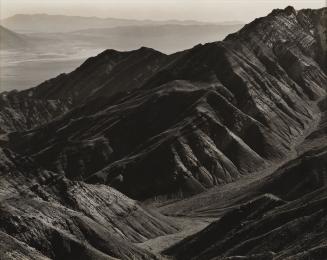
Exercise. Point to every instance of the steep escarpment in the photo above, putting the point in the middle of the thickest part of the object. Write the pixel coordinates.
(151, 124)
(61, 219)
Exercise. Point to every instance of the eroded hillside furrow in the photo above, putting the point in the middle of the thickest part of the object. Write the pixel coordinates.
(62, 219)
(20, 113)
(265, 218)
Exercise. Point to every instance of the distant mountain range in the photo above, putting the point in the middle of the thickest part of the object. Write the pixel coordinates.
(44, 23)
(166, 37)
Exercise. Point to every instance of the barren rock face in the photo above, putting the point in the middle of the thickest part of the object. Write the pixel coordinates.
(19, 112)
(65, 220)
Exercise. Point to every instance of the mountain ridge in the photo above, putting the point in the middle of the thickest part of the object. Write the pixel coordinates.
(218, 79)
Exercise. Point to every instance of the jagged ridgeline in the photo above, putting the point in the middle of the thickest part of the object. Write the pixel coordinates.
(154, 126)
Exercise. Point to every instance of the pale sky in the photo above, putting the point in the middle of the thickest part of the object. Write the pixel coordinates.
(202, 10)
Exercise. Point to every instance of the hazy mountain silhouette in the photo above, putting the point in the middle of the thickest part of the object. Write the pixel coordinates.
(62, 23)
(167, 38)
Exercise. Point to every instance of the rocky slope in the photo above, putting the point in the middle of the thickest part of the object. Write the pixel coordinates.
(62, 219)
(272, 222)
(264, 228)
(151, 124)
(281, 216)
(19, 112)
(301, 173)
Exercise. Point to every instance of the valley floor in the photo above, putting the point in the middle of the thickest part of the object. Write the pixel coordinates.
(188, 226)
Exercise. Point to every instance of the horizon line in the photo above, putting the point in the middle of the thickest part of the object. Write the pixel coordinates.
(127, 19)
